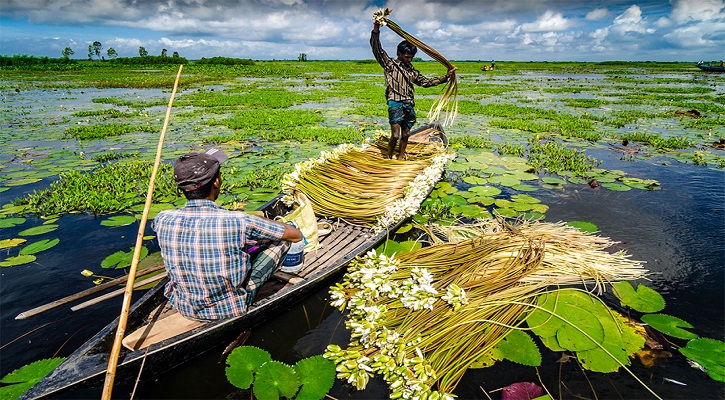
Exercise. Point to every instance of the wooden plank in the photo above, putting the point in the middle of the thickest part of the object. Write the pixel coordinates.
(171, 325)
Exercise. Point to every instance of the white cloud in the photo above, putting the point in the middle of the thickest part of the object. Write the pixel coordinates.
(597, 14)
(697, 10)
(549, 21)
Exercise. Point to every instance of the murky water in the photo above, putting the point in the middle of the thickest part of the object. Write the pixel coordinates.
(677, 230)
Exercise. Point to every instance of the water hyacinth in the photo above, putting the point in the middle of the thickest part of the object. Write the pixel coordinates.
(420, 319)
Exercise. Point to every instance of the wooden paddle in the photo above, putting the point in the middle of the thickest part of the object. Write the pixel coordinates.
(82, 294)
(123, 318)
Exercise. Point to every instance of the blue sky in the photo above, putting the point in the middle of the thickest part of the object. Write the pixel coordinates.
(515, 30)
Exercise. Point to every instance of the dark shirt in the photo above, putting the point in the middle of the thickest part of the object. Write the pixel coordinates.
(400, 76)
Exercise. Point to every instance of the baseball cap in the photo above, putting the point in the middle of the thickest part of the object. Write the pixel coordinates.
(193, 170)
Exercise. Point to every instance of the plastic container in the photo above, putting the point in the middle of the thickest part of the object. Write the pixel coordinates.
(294, 260)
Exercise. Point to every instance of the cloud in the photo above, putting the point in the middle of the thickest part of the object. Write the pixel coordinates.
(549, 21)
(597, 14)
(697, 10)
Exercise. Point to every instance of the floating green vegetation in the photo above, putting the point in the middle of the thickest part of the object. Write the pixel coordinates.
(658, 142)
(111, 112)
(621, 118)
(470, 141)
(100, 131)
(108, 156)
(310, 378)
(551, 156)
(110, 188)
(254, 122)
(22, 379)
(271, 98)
(585, 103)
(323, 134)
(138, 104)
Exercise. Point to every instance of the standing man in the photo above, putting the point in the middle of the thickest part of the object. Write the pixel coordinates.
(206, 248)
(399, 92)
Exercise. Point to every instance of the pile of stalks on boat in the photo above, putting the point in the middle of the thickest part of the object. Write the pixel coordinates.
(359, 185)
(420, 319)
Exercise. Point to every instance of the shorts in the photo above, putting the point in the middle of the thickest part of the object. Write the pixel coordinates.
(401, 111)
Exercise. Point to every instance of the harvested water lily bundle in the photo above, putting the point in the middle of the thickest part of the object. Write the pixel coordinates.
(359, 185)
(421, 319)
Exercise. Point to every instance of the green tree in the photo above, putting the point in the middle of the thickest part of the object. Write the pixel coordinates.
(97, 47)
(111, 52)
(175, 55)
(302, 57)
(67, 52)
(163, 52)
(90, 53)
(142, 51)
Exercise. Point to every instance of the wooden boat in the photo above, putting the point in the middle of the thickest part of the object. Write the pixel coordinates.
(160, 338)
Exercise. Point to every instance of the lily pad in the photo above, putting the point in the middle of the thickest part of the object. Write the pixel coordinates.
(553, 181)
(25, 377)
(617, 187)
(8, 243)
(584, 226)
(709, 353)
(123, 259)
(488, 191)
(669, 325)
(11, 222)
(41, 245)
(38, 230)
(242, 363)
(119, 220)
(644, 299)
(274, 380)
(17, 260)
(317, 376)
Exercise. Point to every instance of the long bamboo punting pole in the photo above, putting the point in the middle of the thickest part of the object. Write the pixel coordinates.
(123, 318)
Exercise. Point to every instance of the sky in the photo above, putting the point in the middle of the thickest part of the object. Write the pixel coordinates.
(513, 30)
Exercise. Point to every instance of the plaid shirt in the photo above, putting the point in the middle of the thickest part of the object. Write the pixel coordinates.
(399, 76)
(203, 246)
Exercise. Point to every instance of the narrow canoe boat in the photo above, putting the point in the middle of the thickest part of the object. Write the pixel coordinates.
(163, 339)
(711, 68)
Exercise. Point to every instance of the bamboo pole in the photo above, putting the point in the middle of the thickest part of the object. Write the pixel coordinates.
(84, 293)
(123, 318)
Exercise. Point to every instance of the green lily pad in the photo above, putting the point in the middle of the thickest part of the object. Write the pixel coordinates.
(17, 260)
(577, 180)
(11, 222)
(525, 198)
(488, 191)
(123, 259)
(505, 180)
(317, 376)
(584, 226)
(404, 228)
(709, 353)
(119, 220)
(25, 377)
(242, 363)
(644, 299)
(454, 200)
(553, 181)
(517, 346)
(475, 180)
(23, 181)
(617, 187)
(38, 230)
(525, 188)
(41, 245)
(470, 211)
(669, 325)
(274, 380)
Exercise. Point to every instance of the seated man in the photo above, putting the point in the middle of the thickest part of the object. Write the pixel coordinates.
(206, 247)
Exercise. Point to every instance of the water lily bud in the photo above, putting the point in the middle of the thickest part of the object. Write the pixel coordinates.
(86, 273)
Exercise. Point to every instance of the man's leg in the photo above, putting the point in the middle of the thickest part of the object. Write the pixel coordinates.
(404, 134)
(394, 134)
(266, 263)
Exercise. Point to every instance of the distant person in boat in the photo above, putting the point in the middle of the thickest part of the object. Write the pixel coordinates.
(213, 270)
(399, 92)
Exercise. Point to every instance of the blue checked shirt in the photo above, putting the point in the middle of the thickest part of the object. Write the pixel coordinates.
(203, 246)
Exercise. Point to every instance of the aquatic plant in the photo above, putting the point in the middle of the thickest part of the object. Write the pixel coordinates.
(551, 156)
(421, 319)
(310, 378)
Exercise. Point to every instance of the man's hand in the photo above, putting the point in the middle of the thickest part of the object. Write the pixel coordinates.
(451, 71)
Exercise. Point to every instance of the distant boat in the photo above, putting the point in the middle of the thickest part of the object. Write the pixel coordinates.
(710, 67)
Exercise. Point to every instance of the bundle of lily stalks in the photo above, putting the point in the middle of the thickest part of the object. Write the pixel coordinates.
(359, 185)
(421, 319)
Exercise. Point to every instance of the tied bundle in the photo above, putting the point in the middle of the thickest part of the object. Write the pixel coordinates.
(448, 101)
